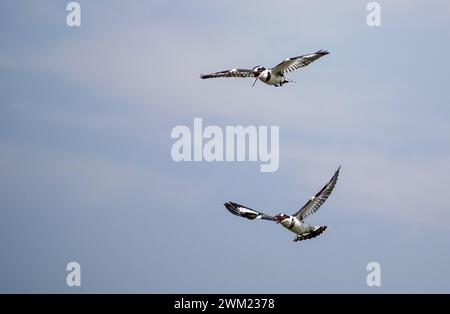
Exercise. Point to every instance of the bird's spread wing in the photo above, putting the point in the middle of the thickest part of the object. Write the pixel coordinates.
(229, 73)
(244, 211)
(316, 201)
(295, 63)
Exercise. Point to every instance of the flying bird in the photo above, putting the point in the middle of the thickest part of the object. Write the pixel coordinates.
(273, 76)
(295, 222)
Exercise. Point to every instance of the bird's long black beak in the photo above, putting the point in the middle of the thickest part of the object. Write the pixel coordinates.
(257, 78)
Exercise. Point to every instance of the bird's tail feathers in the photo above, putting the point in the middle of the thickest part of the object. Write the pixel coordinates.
(288, 81)
(314, 233)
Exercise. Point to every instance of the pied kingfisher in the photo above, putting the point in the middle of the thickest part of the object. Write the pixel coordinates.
(273, 76)
(293, 222)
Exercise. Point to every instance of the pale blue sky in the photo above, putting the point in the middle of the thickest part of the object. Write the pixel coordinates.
(86, 173)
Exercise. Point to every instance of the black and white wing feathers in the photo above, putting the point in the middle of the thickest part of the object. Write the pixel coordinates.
(244, 211)
(291, 64)
(229, 73)
(317, 200)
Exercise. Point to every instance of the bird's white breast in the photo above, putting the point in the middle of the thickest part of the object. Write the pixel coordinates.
(270, 78)
(295, 225)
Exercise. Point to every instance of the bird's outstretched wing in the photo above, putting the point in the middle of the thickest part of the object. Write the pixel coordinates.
(316, 201)
(229, 73)
(244, 211)
(291, 64)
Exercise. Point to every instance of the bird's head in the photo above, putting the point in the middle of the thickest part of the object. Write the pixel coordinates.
(280, 217)
(257, 70)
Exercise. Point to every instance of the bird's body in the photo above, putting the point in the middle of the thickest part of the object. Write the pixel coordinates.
(268, 77)
(294, 223)
(302, 229)
(296, 226)
(273, 76)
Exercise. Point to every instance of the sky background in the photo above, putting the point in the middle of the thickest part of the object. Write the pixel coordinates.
(86, 173)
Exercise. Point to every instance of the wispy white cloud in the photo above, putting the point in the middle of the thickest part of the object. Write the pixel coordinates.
(155, 66)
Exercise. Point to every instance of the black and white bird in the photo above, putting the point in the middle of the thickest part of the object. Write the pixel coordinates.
(273, 76)
(295, 222)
